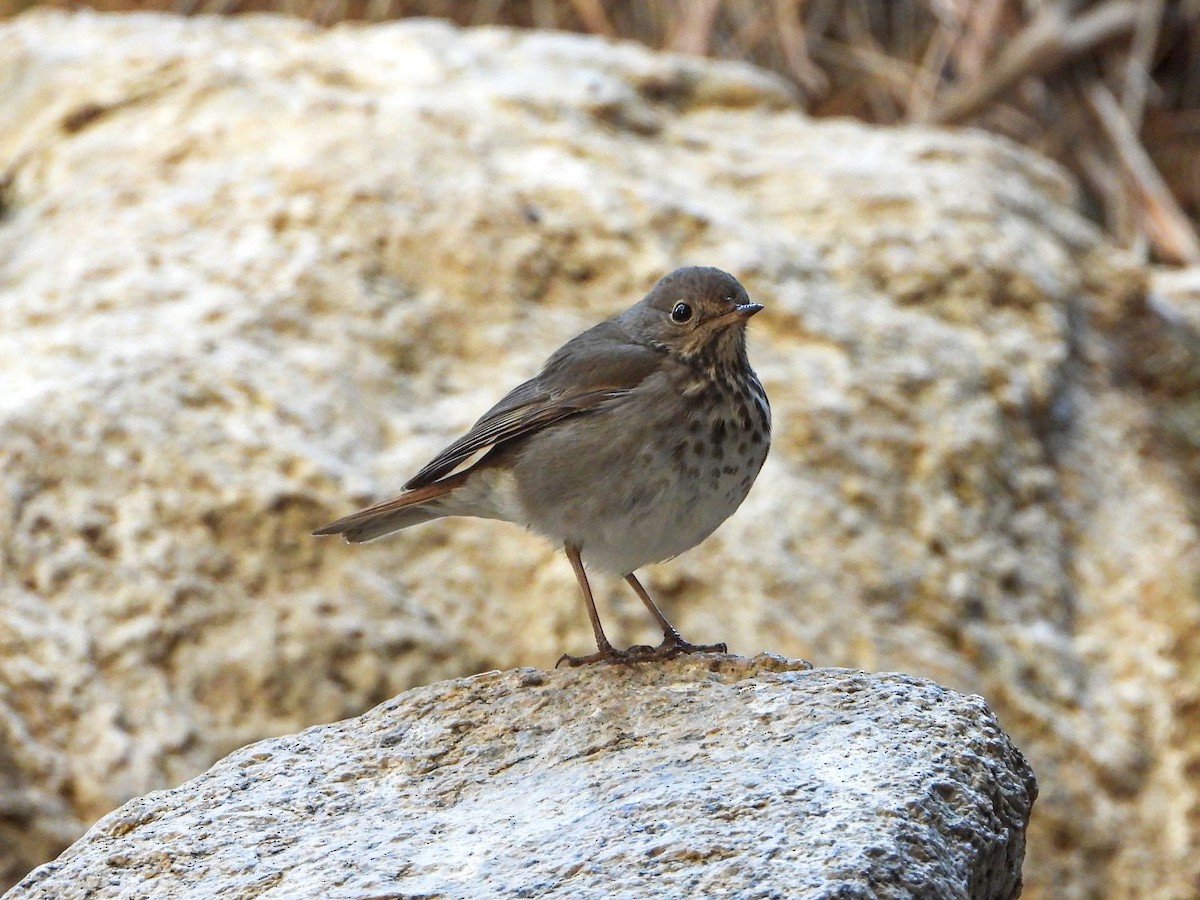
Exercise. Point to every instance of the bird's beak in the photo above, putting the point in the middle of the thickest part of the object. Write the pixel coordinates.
(740, 313)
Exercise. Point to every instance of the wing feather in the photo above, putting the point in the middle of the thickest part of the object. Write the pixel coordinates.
(512, 424)
(596, 368)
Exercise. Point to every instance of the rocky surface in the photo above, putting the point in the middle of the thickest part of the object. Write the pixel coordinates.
(717, 776)
(253, 274)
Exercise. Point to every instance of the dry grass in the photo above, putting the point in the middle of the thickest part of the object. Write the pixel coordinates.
(1110, 88)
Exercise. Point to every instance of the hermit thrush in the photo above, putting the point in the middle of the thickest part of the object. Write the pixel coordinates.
(635, 441)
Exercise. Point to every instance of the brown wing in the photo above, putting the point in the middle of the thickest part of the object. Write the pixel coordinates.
(597, 367)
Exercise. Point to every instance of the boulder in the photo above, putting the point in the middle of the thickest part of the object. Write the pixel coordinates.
(254, 273)
(718, 776)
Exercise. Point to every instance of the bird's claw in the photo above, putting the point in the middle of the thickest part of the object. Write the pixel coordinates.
(609, 654)
(612, 654)
(673, 645)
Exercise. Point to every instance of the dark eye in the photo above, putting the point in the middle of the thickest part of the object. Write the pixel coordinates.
(681, 313)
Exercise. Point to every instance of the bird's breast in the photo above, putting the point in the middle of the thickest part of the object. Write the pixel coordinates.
(647, 478)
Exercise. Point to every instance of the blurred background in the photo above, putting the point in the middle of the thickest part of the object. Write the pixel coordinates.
(1110, 89)
(253, 273)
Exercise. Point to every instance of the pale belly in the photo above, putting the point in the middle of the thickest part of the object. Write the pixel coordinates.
(619, 541)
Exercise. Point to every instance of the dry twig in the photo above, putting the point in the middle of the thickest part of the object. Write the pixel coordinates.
(1048, 42)
(1167, 228)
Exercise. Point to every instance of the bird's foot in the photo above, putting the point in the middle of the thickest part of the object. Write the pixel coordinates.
(673, 645)
(611, 654)
(574, 661)
(604, 654)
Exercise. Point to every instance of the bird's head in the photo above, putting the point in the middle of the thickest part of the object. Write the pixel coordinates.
(697, 314)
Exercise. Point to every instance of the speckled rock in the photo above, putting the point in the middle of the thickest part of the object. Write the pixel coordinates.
(717, 776)
(254, 273)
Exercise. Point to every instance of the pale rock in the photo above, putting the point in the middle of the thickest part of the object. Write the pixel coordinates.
(700, 777)
(254, 274)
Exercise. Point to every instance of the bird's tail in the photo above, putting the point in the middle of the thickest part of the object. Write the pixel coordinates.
(410, 508)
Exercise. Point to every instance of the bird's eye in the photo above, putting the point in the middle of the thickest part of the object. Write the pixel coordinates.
(681, 313)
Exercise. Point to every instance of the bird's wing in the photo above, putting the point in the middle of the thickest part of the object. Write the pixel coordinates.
(597, 367)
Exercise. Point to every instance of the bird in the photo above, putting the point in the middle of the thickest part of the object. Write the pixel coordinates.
(635, 441)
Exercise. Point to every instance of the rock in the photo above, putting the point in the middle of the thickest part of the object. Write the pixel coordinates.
(254, 273)
(1163, 355)
(702, 776)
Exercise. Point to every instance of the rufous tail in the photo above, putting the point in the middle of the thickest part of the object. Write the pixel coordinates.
(410, 508)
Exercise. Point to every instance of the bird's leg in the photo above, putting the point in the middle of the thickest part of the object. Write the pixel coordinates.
(604, 650)
(672, 643)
